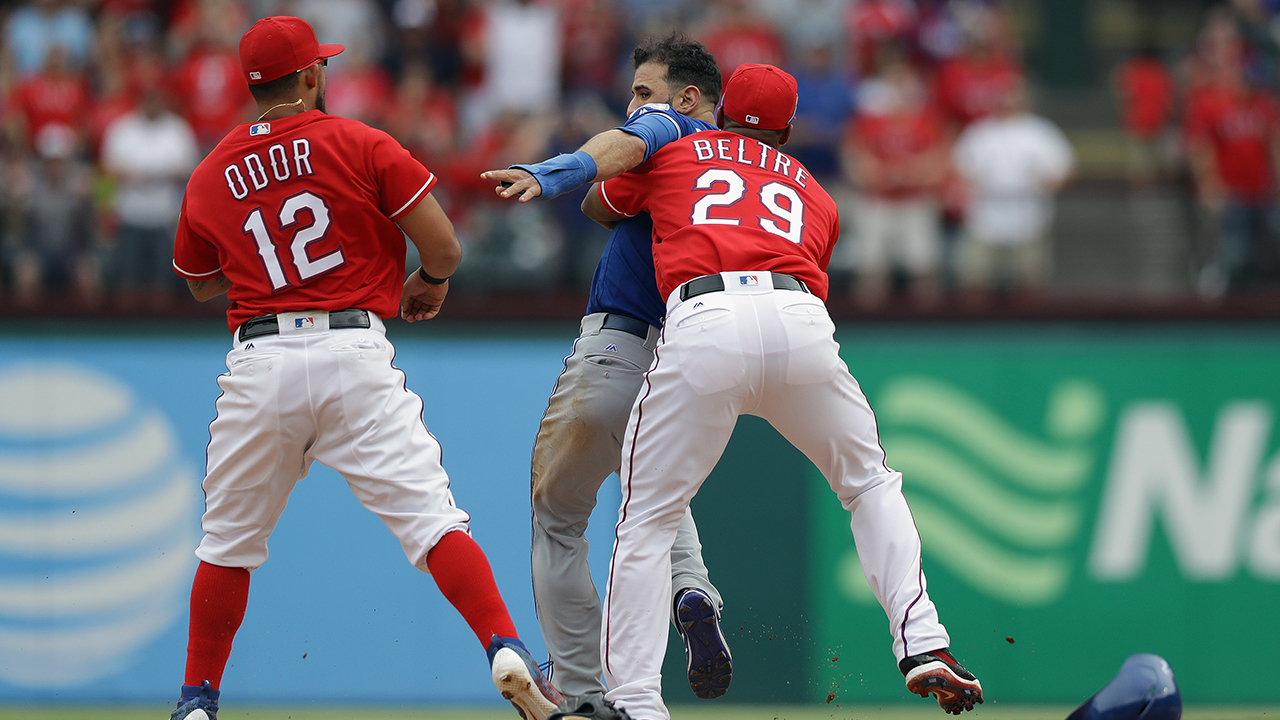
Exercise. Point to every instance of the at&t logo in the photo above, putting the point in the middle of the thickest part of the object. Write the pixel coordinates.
(95, 525)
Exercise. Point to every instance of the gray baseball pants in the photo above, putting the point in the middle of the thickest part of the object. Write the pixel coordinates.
(579, 444)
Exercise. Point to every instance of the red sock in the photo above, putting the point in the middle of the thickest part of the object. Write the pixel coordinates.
(219, 596)
(463, 574)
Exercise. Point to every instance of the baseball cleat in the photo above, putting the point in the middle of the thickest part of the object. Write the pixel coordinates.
(517, 677)
(938, 673)
(589, 707)
(199, 702)
(709, 663)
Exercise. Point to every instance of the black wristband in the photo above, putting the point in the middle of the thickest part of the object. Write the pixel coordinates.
(430, 280)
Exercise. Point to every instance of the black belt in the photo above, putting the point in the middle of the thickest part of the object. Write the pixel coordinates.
(715, 283)
(338, 320)
(630, 325)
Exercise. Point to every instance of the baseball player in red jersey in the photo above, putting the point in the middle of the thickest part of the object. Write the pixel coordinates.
(298, 217)
(742, 236)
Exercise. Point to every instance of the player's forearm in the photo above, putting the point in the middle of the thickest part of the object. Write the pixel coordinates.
(615, 152)
(203, 290)
(595, 209)
(440, 259)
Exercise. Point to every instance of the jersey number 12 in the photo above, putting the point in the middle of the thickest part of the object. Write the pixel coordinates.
(303, 236)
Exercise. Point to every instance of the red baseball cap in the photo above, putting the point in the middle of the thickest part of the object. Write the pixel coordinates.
(761, 96)
(277, 46)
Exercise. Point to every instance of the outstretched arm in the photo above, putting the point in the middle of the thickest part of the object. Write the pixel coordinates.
(612, 152)
(603, 157)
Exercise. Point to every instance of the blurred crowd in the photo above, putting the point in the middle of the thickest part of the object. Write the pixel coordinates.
(916, 114)
(1210, 119)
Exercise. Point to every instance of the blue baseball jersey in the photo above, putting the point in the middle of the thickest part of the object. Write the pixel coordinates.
(624, 281)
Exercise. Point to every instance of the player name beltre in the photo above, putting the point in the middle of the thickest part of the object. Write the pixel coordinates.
(251, 173)
(746, 151)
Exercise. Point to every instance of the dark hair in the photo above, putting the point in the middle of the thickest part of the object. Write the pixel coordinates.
(279, 89)
(688, 63)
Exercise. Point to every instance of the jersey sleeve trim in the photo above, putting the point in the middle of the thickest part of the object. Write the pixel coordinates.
(416, 196)
(192, 275)
(668, 118)
(655, 134)
(605, 197)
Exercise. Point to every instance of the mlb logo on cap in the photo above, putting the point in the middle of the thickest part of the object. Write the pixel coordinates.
(761, 96)
(277, 46)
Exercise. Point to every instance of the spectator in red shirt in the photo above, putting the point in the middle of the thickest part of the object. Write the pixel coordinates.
(359, 89)
(895, 154)
(1233, 143)
(209, 88)
(57, 94)
(735, 35)
(592, 46)
(872, 24)
(974, 83)
(1144, 90)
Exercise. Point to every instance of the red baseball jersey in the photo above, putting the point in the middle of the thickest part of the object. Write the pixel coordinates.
(898, 140)
(721, 201)
(970, 89)
(299, 214)
(1240, 130)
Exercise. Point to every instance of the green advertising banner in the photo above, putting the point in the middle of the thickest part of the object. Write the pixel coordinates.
(1079, 499)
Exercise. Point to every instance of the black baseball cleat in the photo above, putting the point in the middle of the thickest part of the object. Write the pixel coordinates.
(592, 706)
(938, 673)
(709, 662)
(199, 702)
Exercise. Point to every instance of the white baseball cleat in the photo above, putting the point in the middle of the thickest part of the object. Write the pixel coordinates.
(517, 677)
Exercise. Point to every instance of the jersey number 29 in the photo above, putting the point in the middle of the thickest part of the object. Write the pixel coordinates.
(303, 236)
(791, 215)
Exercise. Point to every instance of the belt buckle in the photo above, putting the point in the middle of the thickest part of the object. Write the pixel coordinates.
(291, 323)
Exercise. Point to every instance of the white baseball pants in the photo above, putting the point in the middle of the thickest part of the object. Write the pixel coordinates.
(755, 350)
(324, 395)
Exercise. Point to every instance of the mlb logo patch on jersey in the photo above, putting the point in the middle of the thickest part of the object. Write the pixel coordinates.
(260, 129)
(748, 280)
(304, 323)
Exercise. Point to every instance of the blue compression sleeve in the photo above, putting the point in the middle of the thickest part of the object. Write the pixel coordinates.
(562, 173)
(655, 129)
